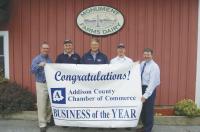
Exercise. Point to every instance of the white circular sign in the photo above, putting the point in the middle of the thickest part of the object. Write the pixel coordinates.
(100, 20)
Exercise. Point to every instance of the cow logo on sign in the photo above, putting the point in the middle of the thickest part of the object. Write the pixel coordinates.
(100, 20)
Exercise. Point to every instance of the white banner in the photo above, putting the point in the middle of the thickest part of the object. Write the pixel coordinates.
(95, 95)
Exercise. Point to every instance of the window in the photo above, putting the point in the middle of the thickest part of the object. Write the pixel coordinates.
(2, 69)
(4, 56)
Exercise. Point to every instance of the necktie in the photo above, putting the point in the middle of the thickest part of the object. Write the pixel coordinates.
(143, 69)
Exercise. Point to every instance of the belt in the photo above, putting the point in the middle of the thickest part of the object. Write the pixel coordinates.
(41, 81)
(144, 85)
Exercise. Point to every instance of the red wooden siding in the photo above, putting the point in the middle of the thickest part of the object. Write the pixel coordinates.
(167, 26)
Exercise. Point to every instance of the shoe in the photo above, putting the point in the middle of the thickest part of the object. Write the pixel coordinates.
(51, 123)
(140, 129)
(65, 127)
(128, 129)
(43, 129)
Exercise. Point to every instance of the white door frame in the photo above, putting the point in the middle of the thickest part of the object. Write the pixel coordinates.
(197, 91)
(6, 52)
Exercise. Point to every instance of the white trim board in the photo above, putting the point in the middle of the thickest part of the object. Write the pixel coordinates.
(197, 91)
(6, 52)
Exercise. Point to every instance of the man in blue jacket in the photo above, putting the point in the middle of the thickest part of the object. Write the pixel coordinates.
(68, 56)
(94, 56)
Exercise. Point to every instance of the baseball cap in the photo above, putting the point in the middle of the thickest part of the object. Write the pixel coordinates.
(66, 41)
(120, 45)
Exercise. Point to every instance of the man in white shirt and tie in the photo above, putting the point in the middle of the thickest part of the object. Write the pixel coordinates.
(150, 79)
(121, 57)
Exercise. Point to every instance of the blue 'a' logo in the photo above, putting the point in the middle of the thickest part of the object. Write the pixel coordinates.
(58, 95)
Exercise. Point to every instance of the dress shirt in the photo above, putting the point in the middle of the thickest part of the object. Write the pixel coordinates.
(39, 70)
(150, 77)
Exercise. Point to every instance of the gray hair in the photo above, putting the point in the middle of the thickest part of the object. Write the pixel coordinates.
(44, 44)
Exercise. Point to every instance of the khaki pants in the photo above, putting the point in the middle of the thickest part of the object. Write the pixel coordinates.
(43, 104)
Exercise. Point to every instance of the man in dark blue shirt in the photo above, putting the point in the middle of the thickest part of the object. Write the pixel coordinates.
(94, 56)
(68, 56)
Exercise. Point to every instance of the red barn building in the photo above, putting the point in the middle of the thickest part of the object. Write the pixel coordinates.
(170, 27)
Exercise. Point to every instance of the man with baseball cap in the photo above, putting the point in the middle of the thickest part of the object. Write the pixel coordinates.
(121, 57)
(68, 56)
